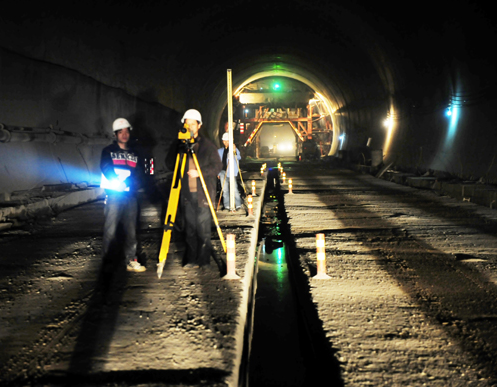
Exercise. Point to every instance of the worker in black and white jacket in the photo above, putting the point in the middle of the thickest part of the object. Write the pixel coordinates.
(122, 174)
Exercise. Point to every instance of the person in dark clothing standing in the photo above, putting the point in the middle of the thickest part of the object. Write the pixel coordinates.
(193, 200)
(122, 171)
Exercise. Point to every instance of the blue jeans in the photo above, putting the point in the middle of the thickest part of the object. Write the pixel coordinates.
(120, 208)
(226, 191)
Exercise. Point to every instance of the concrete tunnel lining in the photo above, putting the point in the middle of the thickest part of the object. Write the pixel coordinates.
(366, 58)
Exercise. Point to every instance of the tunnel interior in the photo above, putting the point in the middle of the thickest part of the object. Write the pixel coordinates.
(275, 116)
(280, 140)
(379, 77)
(385, 79)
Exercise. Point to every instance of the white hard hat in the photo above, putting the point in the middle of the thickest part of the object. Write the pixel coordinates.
(193, 115)
(121, 123)
(226, 137)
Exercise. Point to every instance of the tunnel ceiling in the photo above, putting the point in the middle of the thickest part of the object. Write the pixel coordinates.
(355, 51)
(152, 60)
(244, 33)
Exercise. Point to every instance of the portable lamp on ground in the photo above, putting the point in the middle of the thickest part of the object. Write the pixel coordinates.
(250, 205)
(321, 258)
(230, 257)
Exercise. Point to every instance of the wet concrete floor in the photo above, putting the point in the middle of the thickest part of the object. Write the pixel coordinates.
(412, 293)
(63, 320)
(411, 298)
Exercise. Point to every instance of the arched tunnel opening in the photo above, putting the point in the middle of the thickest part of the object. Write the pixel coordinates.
(281, 116)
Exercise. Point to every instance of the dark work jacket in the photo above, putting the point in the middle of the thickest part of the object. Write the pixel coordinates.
(115, 157)
(210, 166)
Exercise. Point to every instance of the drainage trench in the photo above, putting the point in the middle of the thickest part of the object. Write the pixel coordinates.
(287, 346)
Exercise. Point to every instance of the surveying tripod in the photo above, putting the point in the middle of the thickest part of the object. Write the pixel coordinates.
(172, 206)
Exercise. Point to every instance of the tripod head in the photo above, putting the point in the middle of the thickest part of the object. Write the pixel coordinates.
(186, 137)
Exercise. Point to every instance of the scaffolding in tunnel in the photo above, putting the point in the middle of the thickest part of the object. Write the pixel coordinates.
(309, 126)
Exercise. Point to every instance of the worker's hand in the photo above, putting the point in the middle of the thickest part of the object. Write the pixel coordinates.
(193, 173)
(128, 182)
(122, 186)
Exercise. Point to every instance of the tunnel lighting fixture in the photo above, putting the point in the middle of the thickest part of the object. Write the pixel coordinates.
(388, 122)
(453, 123)
(341, 138)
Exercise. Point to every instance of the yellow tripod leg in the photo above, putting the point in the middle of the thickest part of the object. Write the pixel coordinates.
(211, 206)
(241, 178)
(172, 209)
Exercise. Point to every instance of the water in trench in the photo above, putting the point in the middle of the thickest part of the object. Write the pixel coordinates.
(278, 355)
(288, 345)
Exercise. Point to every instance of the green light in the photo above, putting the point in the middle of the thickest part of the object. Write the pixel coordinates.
(280, 267)
(276, 86)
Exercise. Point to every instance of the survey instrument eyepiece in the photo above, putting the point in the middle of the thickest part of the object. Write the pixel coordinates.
(184, 133)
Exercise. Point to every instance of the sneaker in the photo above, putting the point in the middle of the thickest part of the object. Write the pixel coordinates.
(191, 266)
(135, 266)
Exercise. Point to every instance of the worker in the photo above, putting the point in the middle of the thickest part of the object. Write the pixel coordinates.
(225, 176)
(193, 200)
(122, 174)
